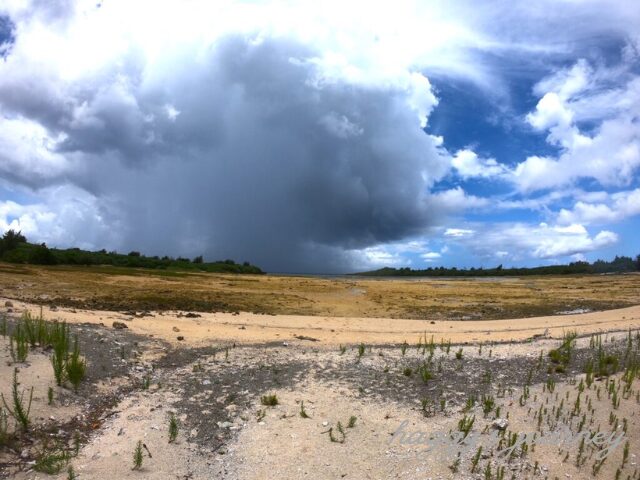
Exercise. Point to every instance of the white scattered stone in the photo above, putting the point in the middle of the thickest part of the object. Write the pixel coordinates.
(500, 423)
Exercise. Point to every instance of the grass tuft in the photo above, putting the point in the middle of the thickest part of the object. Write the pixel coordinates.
(19, 411)
(269, 400)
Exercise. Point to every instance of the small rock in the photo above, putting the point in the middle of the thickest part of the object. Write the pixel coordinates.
(176, 329)
(8, 304)
(180, 338)
(192, 315)
(119, 325)
(500, 423)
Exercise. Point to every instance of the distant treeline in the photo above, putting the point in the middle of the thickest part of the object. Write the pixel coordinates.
(617, 265)
(14, 248)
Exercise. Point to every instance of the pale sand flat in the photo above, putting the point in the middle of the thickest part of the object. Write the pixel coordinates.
(331, 331)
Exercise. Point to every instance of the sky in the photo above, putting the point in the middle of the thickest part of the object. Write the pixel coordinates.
(324, 137)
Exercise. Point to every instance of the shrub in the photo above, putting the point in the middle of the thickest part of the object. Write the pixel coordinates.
(52, 462)
(41, 255)
(269, 400)
(173, 428)
(18, 344)
(138, 456)
(76, 366)
(60, 342)
(19, 411)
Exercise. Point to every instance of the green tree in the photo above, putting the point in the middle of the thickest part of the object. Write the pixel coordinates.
(41, 255)
(10, 240)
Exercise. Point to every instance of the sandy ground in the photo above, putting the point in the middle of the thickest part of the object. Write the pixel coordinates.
(276, 442)
(284, 445)
(331, 331)
(36, 373)
(213, 378)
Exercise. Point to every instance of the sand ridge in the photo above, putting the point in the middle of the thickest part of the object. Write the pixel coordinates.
(244, 327)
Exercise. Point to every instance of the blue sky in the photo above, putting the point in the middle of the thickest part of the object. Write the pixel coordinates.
(310, 138)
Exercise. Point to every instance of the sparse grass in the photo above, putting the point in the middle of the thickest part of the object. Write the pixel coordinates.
(18, 344)
(466, 424)
(60, 343)
(71, 474)
(52, 462)
(425, 373)
(476, 459)
(303, 412)
(269, 400)
(79, 286)
(75, 367)
(488, 404)
(352, 421)
(20, 412)
(459, 354)
(561, 356)
(138, 456)
(455, 466)
(173, 428)
(335, 439)
(4, 427)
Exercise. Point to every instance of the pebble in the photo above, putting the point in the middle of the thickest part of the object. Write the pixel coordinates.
(500, 423)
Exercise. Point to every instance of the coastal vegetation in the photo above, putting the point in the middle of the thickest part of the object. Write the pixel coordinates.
(14, 248)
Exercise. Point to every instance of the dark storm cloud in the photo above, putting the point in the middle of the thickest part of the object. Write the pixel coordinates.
(247, 152)
(7, 35)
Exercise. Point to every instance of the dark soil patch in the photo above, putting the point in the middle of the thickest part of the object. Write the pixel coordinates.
(228, 388)
(452, 379)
